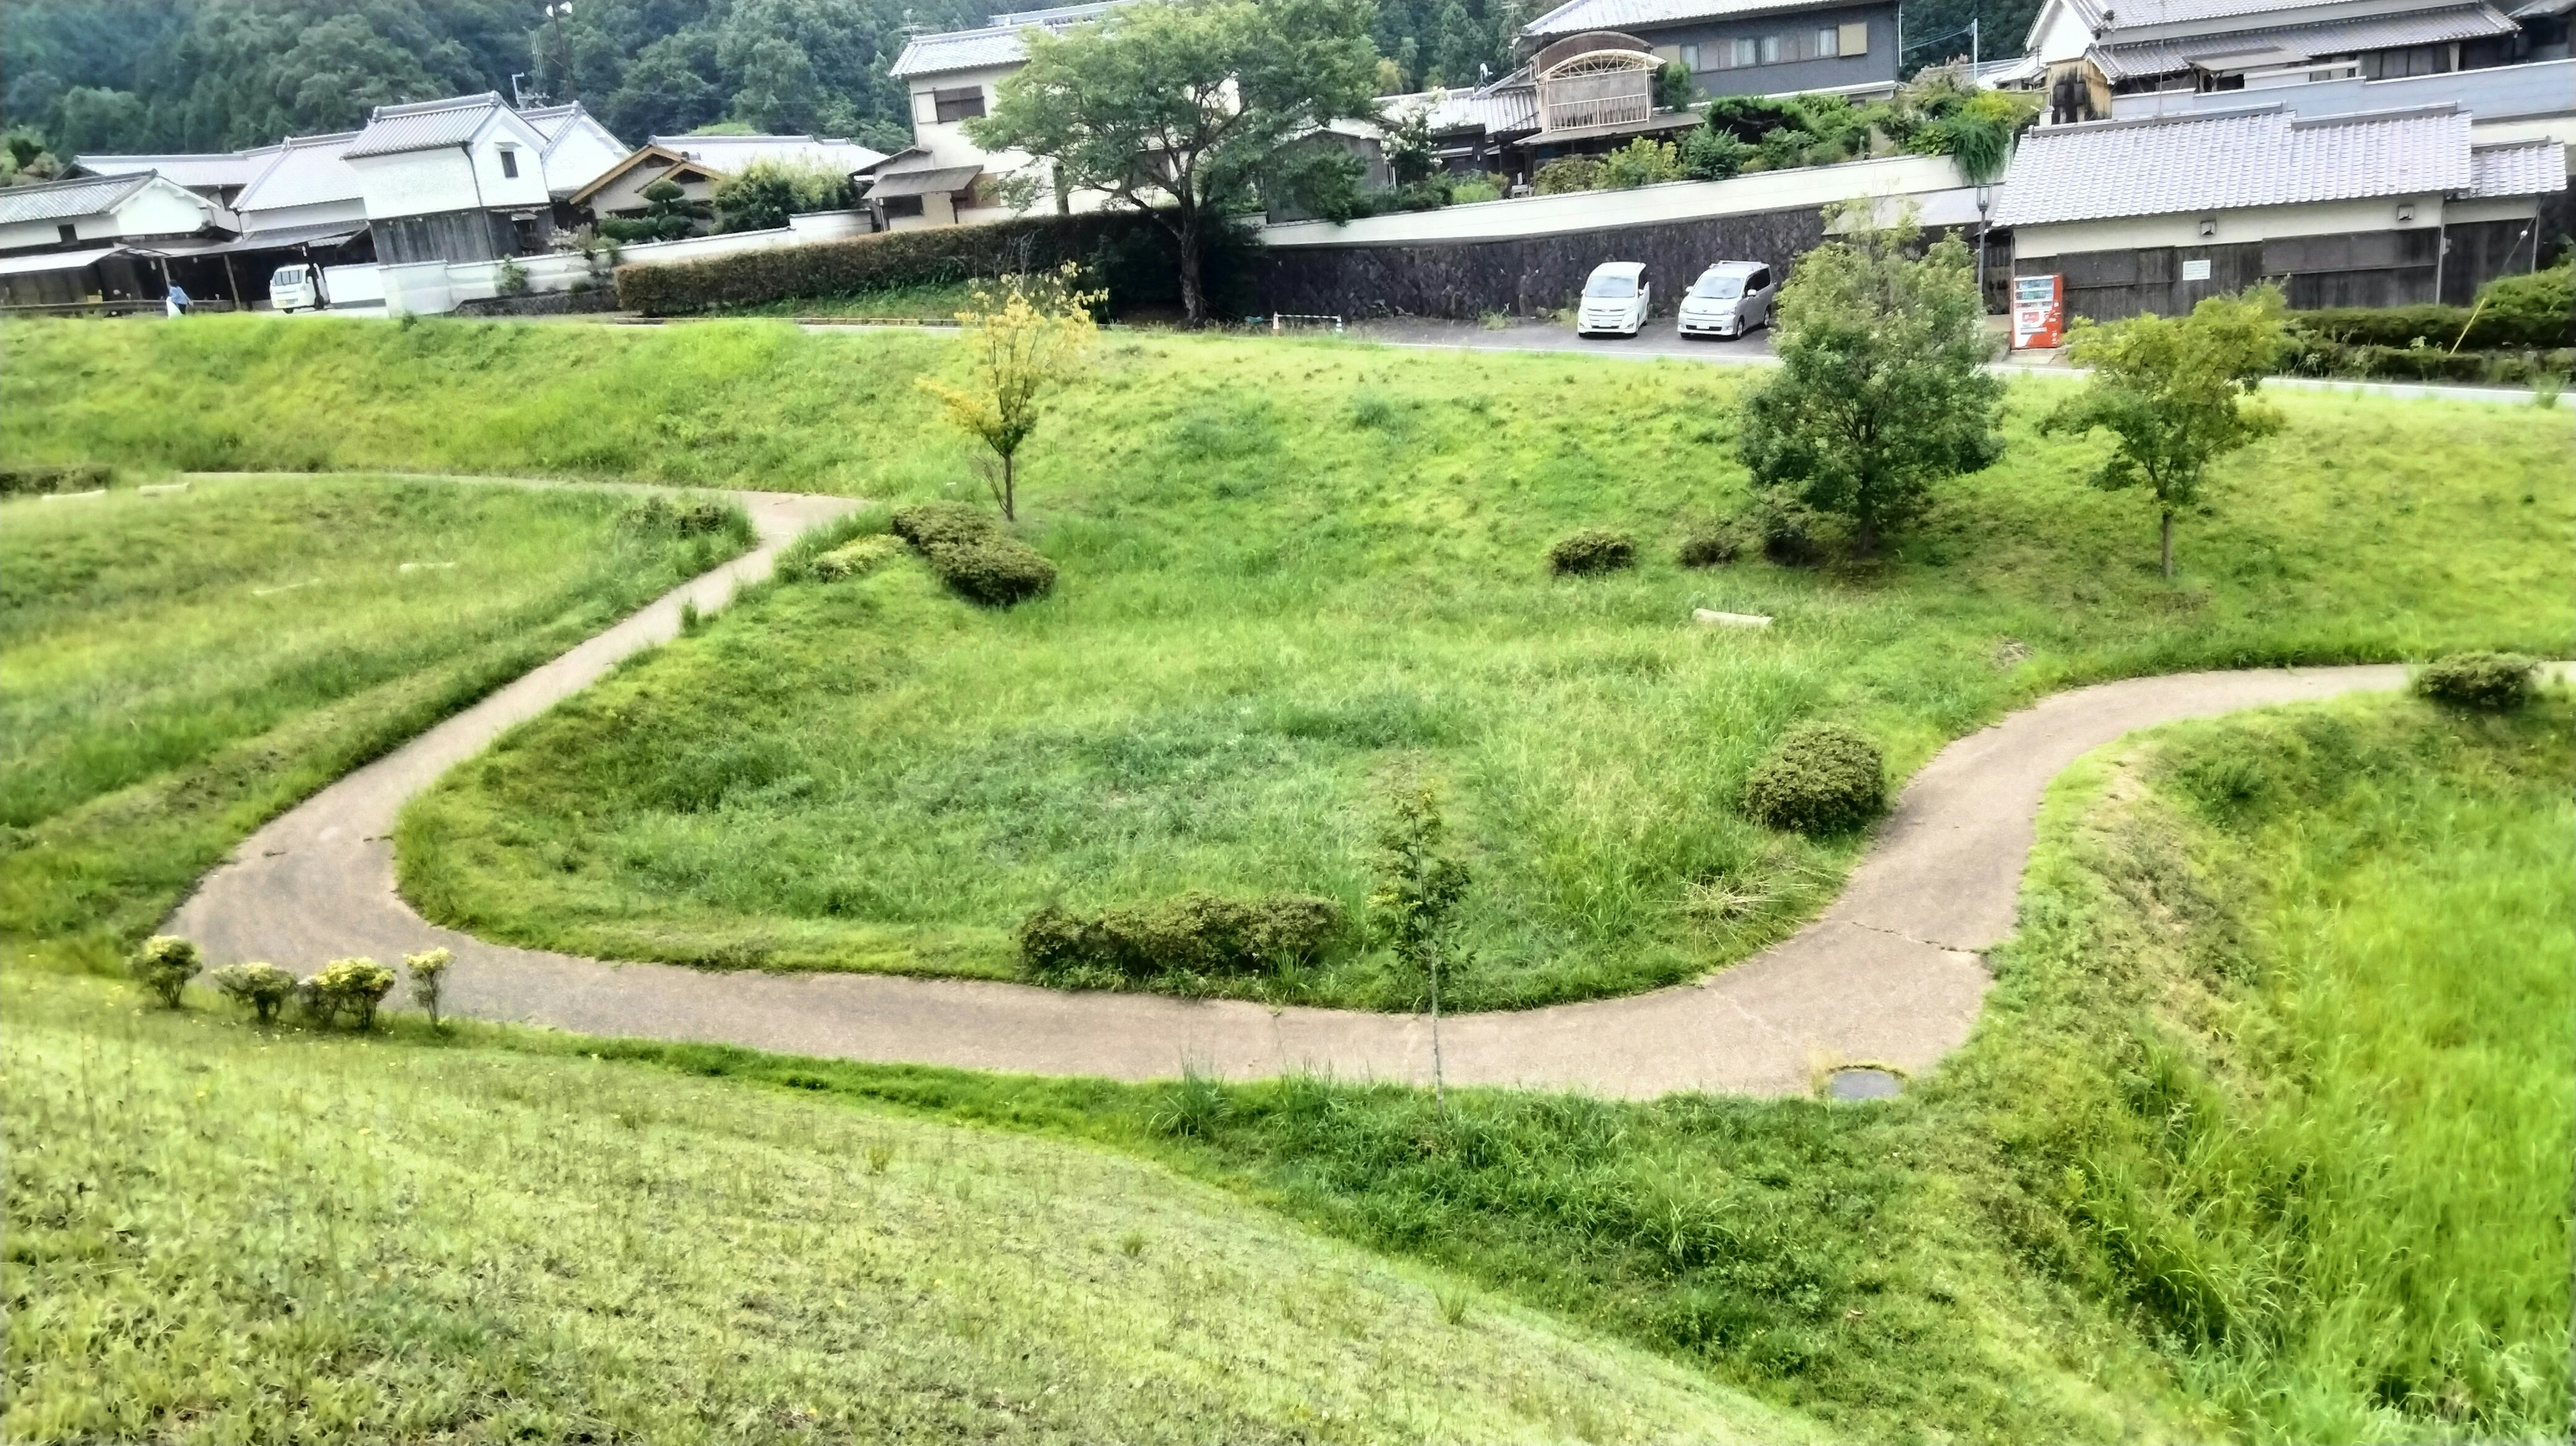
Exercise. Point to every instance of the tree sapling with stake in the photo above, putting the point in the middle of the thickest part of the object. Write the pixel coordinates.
(1415, 903)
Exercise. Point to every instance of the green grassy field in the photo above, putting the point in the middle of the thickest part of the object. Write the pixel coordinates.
(1292, 573)
(218, 1233)
(907, 303)
(176, 668)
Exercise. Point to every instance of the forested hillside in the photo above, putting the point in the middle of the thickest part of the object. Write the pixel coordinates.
(150, 75)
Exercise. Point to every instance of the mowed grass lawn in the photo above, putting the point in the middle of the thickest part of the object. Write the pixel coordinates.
(1291, 573)
(177, 668)
(223, 1234)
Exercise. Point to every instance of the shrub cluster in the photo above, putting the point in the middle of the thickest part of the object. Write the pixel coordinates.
(688, 517)
(1123, 251)
(857, 557)
(165, 964)
(27, 478)
(1195, 935)
(1819, 778)
(1594, 549)
(352, 987)
(971, 553)
(261, 988)
(2496, 681)
(1713, 545)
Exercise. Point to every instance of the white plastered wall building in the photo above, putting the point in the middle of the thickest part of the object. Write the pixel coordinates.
(453, 180)
(945, 178)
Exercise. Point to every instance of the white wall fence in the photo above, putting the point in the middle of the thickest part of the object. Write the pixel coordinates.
(1933, 182)
(428, 288)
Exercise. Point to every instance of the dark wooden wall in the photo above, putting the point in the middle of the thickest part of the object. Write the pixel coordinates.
(2361, 268)
(1522, 275)
(454, 236)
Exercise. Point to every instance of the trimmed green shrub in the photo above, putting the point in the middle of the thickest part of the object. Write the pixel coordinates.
(2517, 314)
(857, 558)
(2535, 309)
(688, 517)
(1712, 546)
(28, 478)
(261, 988)
(1594, 549)
(1126, 252)
(1196, 934)
(351, 987)
(1819, 778)
(2494, 681)
(164, 964)
(428, 971)
(1566, 175)
(968, 550)
(930, 523)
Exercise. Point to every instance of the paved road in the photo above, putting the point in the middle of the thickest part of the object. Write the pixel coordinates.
(1891, 974)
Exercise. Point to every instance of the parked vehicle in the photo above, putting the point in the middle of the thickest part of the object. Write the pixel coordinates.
(298, 287)
(1729, 299)
(1615, 300)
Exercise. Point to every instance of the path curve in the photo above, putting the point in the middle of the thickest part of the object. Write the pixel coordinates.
(1891, 974)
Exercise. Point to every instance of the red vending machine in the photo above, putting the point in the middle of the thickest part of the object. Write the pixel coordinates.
(2039, 311)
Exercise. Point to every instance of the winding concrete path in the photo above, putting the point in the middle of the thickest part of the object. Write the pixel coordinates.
(1891, 974)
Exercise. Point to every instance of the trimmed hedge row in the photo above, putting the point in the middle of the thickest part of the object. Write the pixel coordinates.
(1128, 253)
(2495, 681)
(40, 477)
(2534, 310)
(972, 554)
(1197, 934)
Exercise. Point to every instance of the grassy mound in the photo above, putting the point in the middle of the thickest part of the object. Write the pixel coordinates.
(175, 669)
(1291, 572)
(233, 1234)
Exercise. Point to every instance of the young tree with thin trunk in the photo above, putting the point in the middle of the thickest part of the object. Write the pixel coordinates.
(1174, 107)
(1881, 391)
(1415, 904)
(1025, 336)
(2172, 391)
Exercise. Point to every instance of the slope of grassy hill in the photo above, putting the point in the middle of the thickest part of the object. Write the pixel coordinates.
(218, 1233)
(176, 668)
(1292, 572)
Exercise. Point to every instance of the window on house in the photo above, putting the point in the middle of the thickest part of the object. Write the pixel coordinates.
(1852, 39)
(965, 103)
(68, 232)
(510, 162)
(1690, 57)
(1745, 51)
(1828, 43)
(1770, 50)
(2413, 60)
(901, 205)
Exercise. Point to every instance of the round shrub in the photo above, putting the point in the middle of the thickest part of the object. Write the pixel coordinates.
(1819, 778)
(348, 986)
(261, 988)
(1594, 549)
(1711, 546)
(998, 570)
(930, 523)
(2493, 681)
(165, 964)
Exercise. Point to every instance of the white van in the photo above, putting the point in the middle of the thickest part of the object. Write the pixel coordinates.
(1729, 299)
(1615, 300)
(298, 287)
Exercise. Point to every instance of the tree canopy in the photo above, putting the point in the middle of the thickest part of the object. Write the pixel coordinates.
(1881, 390)
(1176, 106)
(2171, 391)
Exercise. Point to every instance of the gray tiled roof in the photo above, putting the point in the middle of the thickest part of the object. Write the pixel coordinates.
(67, 200)
(996, 44)
(306, 171)
(219, 168)
(1577, 16)
(2260, 157)
(1497, 110)
(2525, 168)
(424, 125)
(2136, 14)
(2303, 42)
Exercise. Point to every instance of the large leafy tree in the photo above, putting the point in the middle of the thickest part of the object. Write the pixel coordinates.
(2172, 391)
(1174, 106)
(1881, 392)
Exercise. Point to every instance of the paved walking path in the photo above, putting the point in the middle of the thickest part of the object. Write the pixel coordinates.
(1891, 973)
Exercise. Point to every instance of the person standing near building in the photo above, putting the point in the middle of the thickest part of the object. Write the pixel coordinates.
(177, 299)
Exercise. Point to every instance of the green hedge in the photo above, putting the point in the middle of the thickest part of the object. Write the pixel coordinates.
(2535, 310)
(1197, 936)
(1128, 253)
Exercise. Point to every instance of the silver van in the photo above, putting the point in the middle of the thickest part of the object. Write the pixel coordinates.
(1729, 299)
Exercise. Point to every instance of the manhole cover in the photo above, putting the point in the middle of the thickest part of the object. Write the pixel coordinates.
(1861, 1084)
